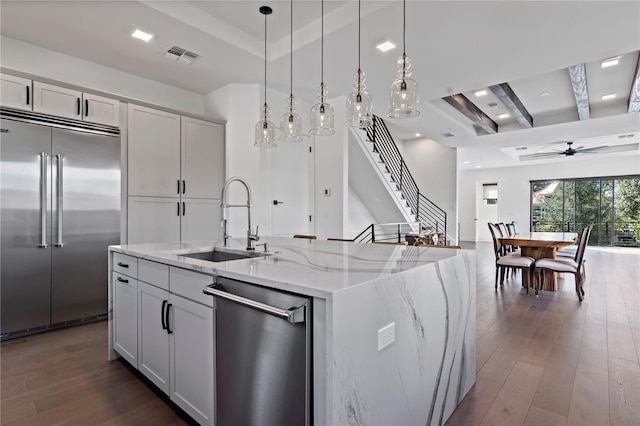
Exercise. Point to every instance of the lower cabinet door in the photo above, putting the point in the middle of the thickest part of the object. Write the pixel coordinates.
(192, 358)
(153, 334)
(125, 317)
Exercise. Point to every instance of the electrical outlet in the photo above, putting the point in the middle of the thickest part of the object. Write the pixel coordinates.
(386, 336)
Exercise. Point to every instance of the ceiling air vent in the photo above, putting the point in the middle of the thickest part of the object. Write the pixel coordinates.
(179, 54)
(630, 135)
(521, 148)
(448, 134)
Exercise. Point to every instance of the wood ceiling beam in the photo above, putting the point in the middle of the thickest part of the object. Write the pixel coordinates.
(633, 104)
(579, 82)
(472, 112)
(507, 96)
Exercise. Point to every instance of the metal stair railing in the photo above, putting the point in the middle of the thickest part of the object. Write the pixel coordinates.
(425, 210)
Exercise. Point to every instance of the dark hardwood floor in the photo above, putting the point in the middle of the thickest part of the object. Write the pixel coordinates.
(540, 360)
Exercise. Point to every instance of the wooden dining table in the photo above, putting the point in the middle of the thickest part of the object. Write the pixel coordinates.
(540, 245)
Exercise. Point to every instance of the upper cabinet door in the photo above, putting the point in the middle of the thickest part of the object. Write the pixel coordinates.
(202, 158)
(15, 92)
(56, 100)
(99, 109)
(154, 152)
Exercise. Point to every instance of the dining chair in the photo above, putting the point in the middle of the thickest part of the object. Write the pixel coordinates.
(511, 260)
(516, 227)
(571, 252)
(308, 237)
(567, 265)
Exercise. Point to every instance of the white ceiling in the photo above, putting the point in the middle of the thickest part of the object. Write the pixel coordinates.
(455, 46)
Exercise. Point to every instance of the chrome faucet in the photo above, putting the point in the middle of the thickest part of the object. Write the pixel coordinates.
(251, 237)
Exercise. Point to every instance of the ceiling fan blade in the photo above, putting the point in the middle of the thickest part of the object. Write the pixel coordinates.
(579, 148)
(547, 154)
(594, 149)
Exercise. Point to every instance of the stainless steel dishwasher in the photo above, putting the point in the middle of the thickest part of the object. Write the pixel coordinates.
(263, 355)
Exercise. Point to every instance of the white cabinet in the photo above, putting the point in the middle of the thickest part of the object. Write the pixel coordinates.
(175, 332)
(153, 337)
(192, 361)
(125, 317)
(176, 173)
(202, 158)
(200, 220)
(15, 92)
(153, 220)
(63, 102)
(154, 152)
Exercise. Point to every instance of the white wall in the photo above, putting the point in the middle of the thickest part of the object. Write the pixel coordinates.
(434, 168)
(359, 215)
(38, 61)
(513, 186)
(331, 172)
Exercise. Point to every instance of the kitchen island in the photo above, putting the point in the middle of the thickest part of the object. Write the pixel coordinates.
(360, 374)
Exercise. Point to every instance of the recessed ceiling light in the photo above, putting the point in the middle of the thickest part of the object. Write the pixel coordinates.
(417, 135)
(608, 96)
(544, 93)
(466, 162)
(477, 167)
(610, 62)
(142, 35)
(480, 93)
(505, 115)
(385, 46)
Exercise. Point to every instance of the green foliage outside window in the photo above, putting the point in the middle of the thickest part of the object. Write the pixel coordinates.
(611, 204)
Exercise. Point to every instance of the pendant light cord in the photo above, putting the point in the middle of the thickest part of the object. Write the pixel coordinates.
(358, 35)
(291, 47)
(322, 43)
(265, 59)
(404, 40)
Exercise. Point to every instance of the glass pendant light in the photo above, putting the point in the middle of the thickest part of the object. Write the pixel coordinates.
(265, 130)
(290, 122)
(403, 95)
(321, 111)
(358, 104)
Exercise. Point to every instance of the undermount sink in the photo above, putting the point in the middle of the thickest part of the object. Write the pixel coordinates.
(224, 255)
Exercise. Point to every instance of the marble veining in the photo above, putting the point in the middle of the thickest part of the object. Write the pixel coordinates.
(425, 373)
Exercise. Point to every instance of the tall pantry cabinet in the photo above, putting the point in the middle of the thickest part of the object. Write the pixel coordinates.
(175, 174)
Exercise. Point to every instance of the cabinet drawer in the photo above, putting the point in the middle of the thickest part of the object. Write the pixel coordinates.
(154, 273)
(127, 265)
(190, 285)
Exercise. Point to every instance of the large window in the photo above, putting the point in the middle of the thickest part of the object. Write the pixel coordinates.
(611, 204)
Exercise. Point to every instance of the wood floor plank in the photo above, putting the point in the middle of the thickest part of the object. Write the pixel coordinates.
(624, 391)
(556, 384)
(590, 397)
(620, 343)
(541, 417)
(512, 403)
(475, 405)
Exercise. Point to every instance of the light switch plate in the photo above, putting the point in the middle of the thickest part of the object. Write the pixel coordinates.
(386, 336)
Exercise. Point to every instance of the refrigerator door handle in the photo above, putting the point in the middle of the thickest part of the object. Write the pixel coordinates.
(44, 157)
(59, 206)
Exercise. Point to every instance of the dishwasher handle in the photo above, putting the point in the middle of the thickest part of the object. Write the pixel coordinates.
(294, 315)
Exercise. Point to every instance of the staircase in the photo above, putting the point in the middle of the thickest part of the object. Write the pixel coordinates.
(431, 217)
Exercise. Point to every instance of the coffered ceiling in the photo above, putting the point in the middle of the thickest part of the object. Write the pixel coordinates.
(457, 47)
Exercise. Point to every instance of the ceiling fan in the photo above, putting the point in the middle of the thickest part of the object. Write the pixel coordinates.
(571, 151)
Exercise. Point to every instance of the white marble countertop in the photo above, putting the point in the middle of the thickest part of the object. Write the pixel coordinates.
(316, 268)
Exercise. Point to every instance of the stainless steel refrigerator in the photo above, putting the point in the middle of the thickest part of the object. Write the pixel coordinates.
(60, 210)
